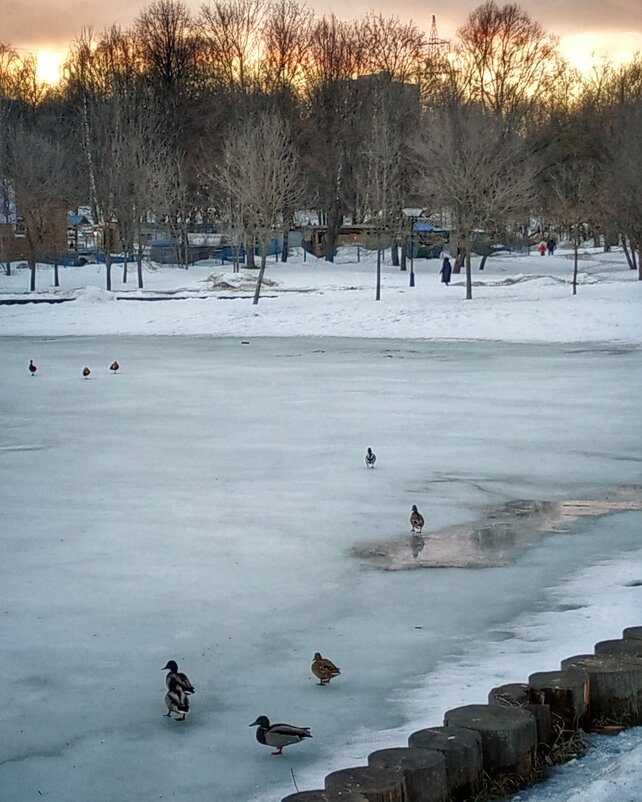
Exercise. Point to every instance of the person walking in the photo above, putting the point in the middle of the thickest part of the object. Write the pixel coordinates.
(542, 248)
(446, 269)
(551, 245)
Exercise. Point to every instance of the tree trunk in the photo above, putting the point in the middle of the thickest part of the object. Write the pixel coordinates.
(629, 253)
(334, 217)
(640, 262)
(7, 268)
(32, 268)
(259, 278)
(459, 259)
(125, 268)
(482, 264)
(394, 253)
(286, 245)
(378, 290)
(56, 277)
(404, 255)
(139, 263)
(186, 246)
(249, 258)
(469, 278)
(139, 256)
(575, 261)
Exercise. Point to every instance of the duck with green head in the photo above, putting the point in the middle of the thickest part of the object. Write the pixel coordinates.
(278, 735)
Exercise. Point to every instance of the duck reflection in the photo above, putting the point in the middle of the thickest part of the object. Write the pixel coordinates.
(417, 544)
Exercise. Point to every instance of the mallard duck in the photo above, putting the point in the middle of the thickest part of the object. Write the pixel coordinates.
(416, 520)
(278, 735)
(32, 368)
(176, 700)
(86, 372)
(176, 676)
(323, 669)
(114, 367)
(371, 458)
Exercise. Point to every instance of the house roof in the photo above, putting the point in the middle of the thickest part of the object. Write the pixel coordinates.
(78, 220)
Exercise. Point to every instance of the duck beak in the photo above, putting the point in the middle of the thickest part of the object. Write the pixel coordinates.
(253, 724)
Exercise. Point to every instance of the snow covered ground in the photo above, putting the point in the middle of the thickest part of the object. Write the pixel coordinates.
(205, 503)
(516, 298)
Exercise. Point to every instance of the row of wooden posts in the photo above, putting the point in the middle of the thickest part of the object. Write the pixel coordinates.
(504, 740)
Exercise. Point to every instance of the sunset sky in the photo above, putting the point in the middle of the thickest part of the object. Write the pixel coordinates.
(613, 26)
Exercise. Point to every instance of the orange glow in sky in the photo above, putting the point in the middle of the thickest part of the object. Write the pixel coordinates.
(586, 49)
(582, 50)
(48, 65)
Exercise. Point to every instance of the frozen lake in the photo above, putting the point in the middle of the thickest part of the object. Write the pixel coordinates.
(205, 504)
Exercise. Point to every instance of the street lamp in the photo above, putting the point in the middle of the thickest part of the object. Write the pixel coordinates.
(412, 214)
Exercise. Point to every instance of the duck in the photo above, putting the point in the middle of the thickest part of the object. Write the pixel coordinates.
(177, 677)
(114, 367)
(86, 372)
(371, 458)
(416, 520)
(324, 669)
(32, 368)
(176, 700)
(278, 735)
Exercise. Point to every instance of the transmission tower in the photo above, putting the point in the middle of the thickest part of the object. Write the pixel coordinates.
(437, 46)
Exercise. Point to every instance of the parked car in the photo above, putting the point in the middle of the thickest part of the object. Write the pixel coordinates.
(66, 259)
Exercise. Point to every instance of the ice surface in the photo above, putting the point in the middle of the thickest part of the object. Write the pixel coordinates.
(203, 505)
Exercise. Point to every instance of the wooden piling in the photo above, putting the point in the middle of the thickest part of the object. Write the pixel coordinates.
(325, 796)
(565, 692)
(623, 646)
(509, 736)
(462, 751)
(374, 783)
(423, 772)
(615, 687)
(517, 695)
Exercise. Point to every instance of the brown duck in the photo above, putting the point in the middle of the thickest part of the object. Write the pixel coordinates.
(324, 670)
(416, 519)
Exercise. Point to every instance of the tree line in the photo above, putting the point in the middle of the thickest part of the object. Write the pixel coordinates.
(250, 110)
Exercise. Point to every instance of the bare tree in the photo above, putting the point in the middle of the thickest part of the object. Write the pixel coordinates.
(394, 47)
(623, 178)
(261, 178)
(505, 61)
(477, 170)
(336, 55)
(230, 32)
(380, 171)
(167, 46)
(284, 45)
(572, 201)
(39, 168)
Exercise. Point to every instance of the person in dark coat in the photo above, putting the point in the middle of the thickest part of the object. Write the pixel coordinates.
(551, 245)
(446, 270)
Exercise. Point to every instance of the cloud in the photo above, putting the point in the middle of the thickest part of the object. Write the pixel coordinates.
(55, 23)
